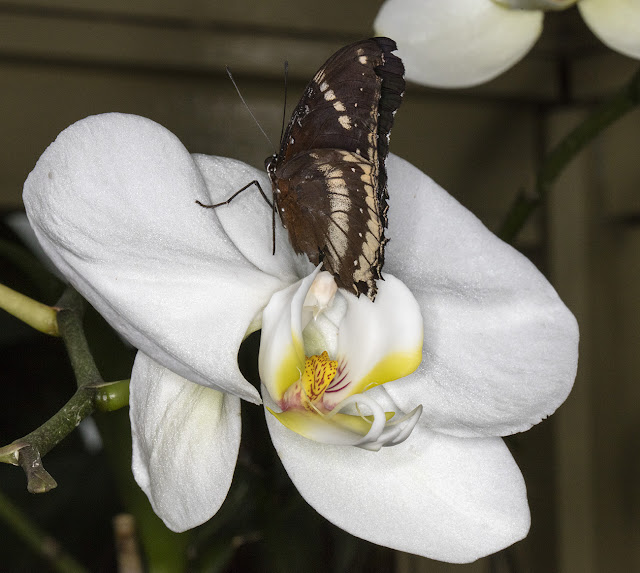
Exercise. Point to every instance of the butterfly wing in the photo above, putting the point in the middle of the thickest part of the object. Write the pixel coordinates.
(348, 107)
(327, 201)
(351, 99)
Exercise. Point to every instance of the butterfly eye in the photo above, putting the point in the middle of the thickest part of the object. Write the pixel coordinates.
(270, 163)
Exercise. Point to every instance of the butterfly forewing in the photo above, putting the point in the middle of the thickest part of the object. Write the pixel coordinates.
(329, 178)
(343, 92)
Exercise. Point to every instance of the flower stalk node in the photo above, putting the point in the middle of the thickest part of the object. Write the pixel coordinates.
(39, 480)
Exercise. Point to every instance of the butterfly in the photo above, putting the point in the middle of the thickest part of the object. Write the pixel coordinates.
(329, 179)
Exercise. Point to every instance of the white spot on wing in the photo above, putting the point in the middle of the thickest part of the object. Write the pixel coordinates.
(345, 121)
(339, 106)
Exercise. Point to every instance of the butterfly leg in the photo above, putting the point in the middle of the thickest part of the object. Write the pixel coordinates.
(272, 205)
(254, 182)
(273, 226)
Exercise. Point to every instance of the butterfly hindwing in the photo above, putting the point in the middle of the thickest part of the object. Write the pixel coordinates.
(330, 195)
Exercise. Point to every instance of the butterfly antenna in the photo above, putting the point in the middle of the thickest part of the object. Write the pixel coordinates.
(284, 110)
(245, 105)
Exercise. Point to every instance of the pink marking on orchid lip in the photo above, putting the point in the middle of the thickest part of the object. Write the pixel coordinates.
(336, 389)
(338, 383)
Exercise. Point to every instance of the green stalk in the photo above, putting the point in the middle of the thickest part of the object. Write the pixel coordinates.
(562, 154)
(93, 394)
(70, 315)
(34, 313)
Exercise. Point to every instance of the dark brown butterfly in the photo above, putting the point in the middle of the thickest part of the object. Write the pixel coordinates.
(329, 179)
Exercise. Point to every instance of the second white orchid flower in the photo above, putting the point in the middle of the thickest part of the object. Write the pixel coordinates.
(462, 43)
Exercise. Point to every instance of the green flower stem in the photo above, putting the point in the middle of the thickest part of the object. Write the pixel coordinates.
(28, 450)
(562, 154)
(93, 394)
(34, 313)
(56, 428)
(70, 314)
(37, 540)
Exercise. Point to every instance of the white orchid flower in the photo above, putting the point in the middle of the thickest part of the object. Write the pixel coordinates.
(464, 331)
(463, 43)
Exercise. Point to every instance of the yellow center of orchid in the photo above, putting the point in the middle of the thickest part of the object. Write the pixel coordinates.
(329, 401)
(318, 373)
(307, 392)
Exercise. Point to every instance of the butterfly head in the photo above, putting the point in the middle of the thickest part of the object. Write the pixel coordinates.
(271, 164)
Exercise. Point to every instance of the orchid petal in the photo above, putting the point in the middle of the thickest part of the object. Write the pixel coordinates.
(500, 348)
(377, 341)
(434, 495)
(282, 355)
(457, 43)
(250, 211)
(112, 202)
(615, 22)
(185, 443)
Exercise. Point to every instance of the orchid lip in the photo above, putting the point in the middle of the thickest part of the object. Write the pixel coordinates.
(383, 432)
(385, 429)
(371, 430)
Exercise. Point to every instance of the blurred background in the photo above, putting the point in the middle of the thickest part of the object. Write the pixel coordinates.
(62, 60)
